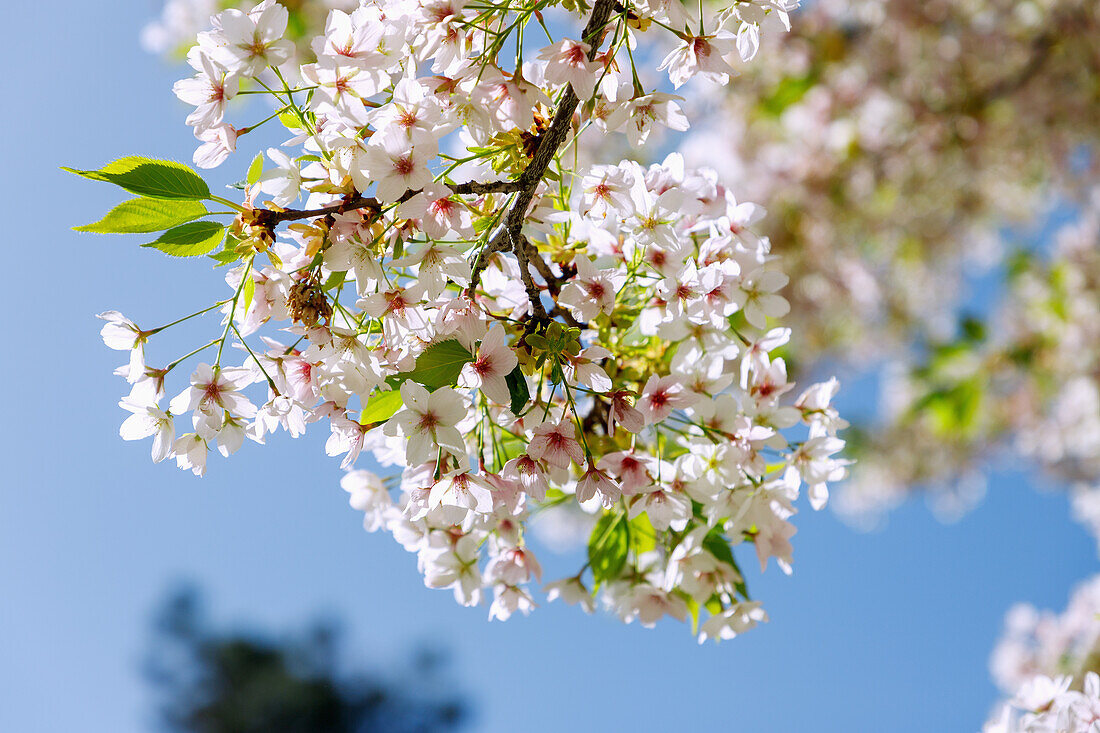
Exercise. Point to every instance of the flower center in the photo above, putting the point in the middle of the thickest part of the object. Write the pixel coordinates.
(403, 166)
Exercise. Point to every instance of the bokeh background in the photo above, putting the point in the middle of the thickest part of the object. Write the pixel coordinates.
(889, 630)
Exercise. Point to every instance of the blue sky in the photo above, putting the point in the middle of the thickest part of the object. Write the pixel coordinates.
(884, 631)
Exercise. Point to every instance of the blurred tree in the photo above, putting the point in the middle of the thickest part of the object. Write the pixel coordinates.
(212, 681)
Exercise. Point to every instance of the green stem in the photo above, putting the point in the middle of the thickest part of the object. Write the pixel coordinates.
(270, 381)
(176, 363)
(225, 202)
(233, 310)
(181, 320)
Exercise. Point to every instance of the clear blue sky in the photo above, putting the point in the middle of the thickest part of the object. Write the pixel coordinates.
(882, 632)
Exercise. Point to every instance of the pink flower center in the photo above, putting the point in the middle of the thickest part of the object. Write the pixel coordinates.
(441, 207)
(403, 166)
(428, 421)
(556, 441)
(484, 365)
(397, 303)
(765, 389)
(212, 392)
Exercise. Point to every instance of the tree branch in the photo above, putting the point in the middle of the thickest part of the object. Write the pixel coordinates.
(508, 235)
(367, 202)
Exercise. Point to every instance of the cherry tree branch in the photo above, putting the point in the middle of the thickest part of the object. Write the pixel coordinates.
(508, 235)
(367, 202)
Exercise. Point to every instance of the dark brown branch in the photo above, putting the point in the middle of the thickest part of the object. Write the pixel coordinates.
(533, 293)
(508, 235)
(566, 316)
(365, 202)
(553, 282)
(1041, 49)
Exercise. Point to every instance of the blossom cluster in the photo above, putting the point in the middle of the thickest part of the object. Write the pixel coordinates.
(910, 150)
(1045, 704)
(1038, 642)
(1046, 664)
(511, 332)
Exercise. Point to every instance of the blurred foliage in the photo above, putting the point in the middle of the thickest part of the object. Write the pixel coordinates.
(213, 681)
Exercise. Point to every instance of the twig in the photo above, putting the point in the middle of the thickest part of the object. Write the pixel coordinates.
(533, 292)
(553, 282)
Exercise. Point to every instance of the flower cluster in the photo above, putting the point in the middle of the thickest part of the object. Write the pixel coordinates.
(908, 148)
(1044, 704)
(1047, 664)
(1028, 382)
(1038, 642)
(511, 332)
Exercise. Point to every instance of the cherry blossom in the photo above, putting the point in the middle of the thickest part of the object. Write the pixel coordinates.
(494, 361)
(428, 422)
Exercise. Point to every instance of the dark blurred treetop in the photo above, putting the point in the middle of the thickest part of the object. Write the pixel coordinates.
(211, 681)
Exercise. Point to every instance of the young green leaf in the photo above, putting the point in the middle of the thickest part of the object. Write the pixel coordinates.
(381, 406)
(255, 169)
(693, 609)
(643, 537)
(225, 257)
(248, 292)
(517, 390)
(716, 544)
(608, 546)
(189, 240)
(142, 215)
(335, 279)
(439, 365)
(159, 179)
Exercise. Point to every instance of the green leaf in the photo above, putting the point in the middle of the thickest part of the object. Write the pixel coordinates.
(189, 240)
(439, 365)
(255, 169)
(226, 257)
(335, 280)
(381, 406)
(693, 609)
(142, 215)
(787, 92)
(716, 544)
(248, 292)
(517, 389)
(158, 179)
(643, 537)
(608, 546)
